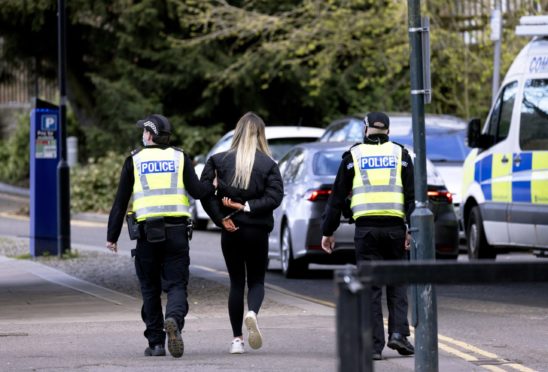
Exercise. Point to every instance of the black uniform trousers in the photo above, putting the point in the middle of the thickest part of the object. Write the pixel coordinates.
(163, 265)
(384, 243)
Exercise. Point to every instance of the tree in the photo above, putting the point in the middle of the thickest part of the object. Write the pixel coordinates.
(315, 59)
(203, 63)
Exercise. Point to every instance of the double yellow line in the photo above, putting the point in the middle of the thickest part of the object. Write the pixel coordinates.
(486, 359)
(474, 355)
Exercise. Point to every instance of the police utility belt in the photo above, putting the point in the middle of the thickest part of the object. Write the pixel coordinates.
(153, 229)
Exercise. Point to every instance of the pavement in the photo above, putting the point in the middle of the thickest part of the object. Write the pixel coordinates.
(50, 321)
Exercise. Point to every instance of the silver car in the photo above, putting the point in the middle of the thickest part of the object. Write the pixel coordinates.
(308, 171)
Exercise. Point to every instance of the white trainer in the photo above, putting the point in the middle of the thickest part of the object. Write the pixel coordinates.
(237, 346)
(255, 338)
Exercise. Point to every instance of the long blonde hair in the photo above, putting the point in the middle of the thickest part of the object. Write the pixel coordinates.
(248, 138)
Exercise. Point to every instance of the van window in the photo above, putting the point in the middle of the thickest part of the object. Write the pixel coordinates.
(533, 134)
(501, 117)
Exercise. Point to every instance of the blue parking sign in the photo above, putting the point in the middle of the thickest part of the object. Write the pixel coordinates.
(49, 123)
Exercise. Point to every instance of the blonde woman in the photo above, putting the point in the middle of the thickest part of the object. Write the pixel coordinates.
(249, 189)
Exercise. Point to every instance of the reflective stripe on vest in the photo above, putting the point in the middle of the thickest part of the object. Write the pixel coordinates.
(158, 189)
(377, 188)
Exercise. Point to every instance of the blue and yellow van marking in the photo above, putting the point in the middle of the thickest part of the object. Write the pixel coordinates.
(514, 182)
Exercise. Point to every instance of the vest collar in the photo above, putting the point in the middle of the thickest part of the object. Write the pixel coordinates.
(157, 147)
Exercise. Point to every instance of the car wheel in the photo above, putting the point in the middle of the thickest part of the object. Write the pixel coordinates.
(291, 268)
(475, 237)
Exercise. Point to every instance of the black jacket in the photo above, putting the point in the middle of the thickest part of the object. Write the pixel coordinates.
(264, 194)
(342, 187)
(193, 186)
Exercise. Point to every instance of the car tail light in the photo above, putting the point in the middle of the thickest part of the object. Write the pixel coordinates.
(440, 196)
(445, 247)
(317, 195)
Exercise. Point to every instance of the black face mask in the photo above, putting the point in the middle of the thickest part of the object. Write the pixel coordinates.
(375, 138)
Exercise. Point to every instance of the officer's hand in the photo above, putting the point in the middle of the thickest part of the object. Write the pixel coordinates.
(112, 246)
(227, 202)
(407, 241)
(228, 224)
(328, 243)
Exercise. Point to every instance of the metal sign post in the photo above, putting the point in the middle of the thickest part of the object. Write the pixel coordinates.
(63, 171)
(422, 219)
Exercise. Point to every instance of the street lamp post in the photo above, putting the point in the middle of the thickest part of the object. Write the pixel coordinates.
(422, 219)
(63, 175)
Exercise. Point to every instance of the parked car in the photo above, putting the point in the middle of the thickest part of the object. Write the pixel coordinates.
(280, 140)
(308, 171)
(445, 143)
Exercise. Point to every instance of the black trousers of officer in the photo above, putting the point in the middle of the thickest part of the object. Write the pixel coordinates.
(163, 265)
(384, 243)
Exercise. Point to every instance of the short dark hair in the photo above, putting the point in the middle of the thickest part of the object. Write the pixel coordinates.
(161, 139)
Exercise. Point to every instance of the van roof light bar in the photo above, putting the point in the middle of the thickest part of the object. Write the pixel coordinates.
(532, 26)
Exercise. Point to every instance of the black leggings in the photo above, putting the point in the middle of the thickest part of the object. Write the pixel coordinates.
(245, 250)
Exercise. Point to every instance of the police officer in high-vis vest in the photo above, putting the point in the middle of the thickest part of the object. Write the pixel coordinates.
(161, 178)
(377, 175)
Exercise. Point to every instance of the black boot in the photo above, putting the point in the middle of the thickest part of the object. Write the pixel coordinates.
(399, 342)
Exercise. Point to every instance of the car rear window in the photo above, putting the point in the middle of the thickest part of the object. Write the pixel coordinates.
(326, 163)
(351, 130)
(448, 146)
(280, 146)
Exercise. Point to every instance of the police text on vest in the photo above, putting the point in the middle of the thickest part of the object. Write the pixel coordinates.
(378, 162)
(157, 166)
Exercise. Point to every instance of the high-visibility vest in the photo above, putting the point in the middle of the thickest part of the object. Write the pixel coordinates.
(158, 189)
(377, 188)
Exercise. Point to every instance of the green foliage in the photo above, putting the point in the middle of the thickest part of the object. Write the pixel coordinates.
(15, 167)
(314, 60)
(94, 186)
(462, 72)
(195, 140)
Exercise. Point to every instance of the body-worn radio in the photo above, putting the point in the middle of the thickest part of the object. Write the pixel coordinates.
(133, 226)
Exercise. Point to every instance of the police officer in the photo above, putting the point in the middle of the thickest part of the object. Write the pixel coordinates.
(160, 177)
(379, 174)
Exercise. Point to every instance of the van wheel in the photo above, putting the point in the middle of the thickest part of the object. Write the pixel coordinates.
(476, 242)
(291, 268)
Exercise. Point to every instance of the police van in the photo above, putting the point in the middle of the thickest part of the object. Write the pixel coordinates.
(505, 181)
